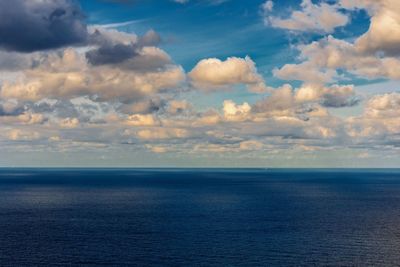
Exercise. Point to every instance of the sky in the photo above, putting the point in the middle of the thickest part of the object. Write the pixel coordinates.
(200, 83)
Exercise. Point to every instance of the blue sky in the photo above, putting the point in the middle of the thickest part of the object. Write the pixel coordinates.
(256, 83)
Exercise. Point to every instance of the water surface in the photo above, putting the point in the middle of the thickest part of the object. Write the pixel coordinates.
(195, 217)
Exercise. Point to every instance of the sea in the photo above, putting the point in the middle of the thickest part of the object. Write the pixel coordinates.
(199, 217)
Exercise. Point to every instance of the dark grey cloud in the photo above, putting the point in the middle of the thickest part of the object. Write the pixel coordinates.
(28, 26)
(109, 52)
(337, 100)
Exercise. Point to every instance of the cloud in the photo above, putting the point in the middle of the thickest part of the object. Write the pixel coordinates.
(305, 71)
(213, 74)
(26, 118)
(238, 147)
(127, 50)
(13, 61)
(321, 17)
(267, 6)
(28, 26)
(11, 108)
(306, 101)
(280, 99)
(235, 112)
(384, 30)
(379, 122)
(384, 106)
(208, 118)
(340, 96)
(335, 96)
(145, 106)
(111, 54)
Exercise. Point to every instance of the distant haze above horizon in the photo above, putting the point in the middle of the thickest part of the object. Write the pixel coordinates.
(200, 83)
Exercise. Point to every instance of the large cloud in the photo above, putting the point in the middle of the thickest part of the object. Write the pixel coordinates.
(27, 26)
(67, 75)
(384, 31)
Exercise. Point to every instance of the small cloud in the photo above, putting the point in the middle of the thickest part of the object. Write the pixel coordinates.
(214, 74)
(312, 17)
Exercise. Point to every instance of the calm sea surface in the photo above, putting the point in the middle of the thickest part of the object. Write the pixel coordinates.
(199, 217)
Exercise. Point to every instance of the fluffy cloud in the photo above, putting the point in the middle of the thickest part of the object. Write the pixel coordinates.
(384, 31)
(235, 112)
(321, 17)
(212, 74)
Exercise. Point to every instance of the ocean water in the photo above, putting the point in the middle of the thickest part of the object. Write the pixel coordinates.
(195, 217)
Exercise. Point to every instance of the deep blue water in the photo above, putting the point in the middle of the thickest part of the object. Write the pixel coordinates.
(199, 217)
